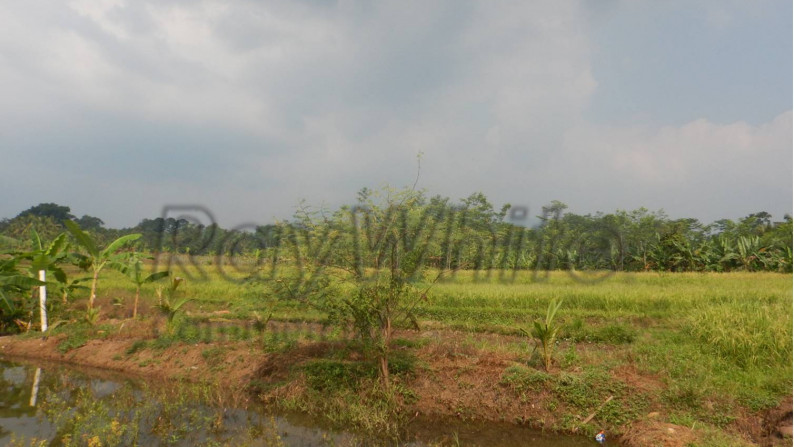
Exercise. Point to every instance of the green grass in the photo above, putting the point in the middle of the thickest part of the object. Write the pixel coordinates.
(712, 340)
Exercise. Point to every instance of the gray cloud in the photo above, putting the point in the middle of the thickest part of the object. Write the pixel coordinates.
(248, 107)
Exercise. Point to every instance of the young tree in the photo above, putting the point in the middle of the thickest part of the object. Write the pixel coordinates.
(133, 268)
(14, 291)
(95, 258)
(379, 245)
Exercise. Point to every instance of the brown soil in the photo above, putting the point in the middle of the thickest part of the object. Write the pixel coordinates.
(777, 425)
(455, 377)
(181, 362)
(651, 433)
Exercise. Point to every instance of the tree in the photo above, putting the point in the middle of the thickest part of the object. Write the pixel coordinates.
(90, 223)
(96, 259)
(57, 212)
(379, 245)
(132, 267)
(19, 228)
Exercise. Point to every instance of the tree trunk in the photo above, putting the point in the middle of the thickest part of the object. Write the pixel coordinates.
(93, 290)
(135, 306)
(384, 354)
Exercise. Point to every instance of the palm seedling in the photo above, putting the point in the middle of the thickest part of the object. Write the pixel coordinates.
(545, 334)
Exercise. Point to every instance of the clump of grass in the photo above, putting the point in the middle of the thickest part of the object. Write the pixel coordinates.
(613, 333)
(522, 379)
(367, 407)
(73, 341)
(137, 346)
(588, 391)
(214, 356)
(77, 335)
(745, 334)
(325, 374)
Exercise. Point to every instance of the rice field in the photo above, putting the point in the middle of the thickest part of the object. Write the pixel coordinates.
(705, 337)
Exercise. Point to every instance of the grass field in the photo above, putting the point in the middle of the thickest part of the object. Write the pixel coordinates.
(712, 346)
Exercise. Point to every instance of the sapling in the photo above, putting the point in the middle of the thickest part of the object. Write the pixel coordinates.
(545, 334)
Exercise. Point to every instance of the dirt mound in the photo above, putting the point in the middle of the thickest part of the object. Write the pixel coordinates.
(777, 424)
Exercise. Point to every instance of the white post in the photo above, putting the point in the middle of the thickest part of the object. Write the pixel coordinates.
(43, 300)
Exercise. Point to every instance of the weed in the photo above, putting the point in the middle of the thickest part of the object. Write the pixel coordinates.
(616, 334)
(77, 337)
(92, 315)
(214, 356)
(323, 375)
(138, 345)
(522, 379)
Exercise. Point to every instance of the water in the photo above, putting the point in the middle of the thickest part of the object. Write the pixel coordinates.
(59, 405)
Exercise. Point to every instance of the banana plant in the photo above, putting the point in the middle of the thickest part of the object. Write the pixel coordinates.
(96, 259)
(724, 253)
(42, 260)
(750, 252)
(133, 268)
(166, 304)
(13, 283)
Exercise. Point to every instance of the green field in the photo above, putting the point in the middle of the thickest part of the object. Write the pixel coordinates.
(711, 347)
(721, 333)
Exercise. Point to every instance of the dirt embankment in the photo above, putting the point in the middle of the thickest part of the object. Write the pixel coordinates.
(180, 362)
(455, 380)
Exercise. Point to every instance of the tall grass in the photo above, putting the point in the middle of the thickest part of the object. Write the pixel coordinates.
(746, 332)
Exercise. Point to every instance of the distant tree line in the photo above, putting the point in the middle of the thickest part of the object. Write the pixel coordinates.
(468, 234)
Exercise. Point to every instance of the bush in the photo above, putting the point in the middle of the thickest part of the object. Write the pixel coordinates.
(324, 375)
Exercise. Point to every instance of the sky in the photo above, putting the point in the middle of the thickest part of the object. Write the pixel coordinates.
(121, 108)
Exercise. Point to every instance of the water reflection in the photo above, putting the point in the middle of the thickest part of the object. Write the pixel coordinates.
(64, 407)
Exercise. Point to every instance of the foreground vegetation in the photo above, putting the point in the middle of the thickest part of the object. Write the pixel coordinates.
(402, 305)
(694, 350)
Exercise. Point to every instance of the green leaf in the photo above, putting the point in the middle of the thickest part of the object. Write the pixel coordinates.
(35, 240)
(59, 274)
(20, 281)
(83, 239)
(57, 245)
(554, 306)
(40, 262)
(156, 276)
(82, 261)
(6, 305)
(118, 243)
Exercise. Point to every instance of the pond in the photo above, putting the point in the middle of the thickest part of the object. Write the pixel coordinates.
(55, 405)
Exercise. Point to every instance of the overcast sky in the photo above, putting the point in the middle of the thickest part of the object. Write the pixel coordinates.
(117, 108)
